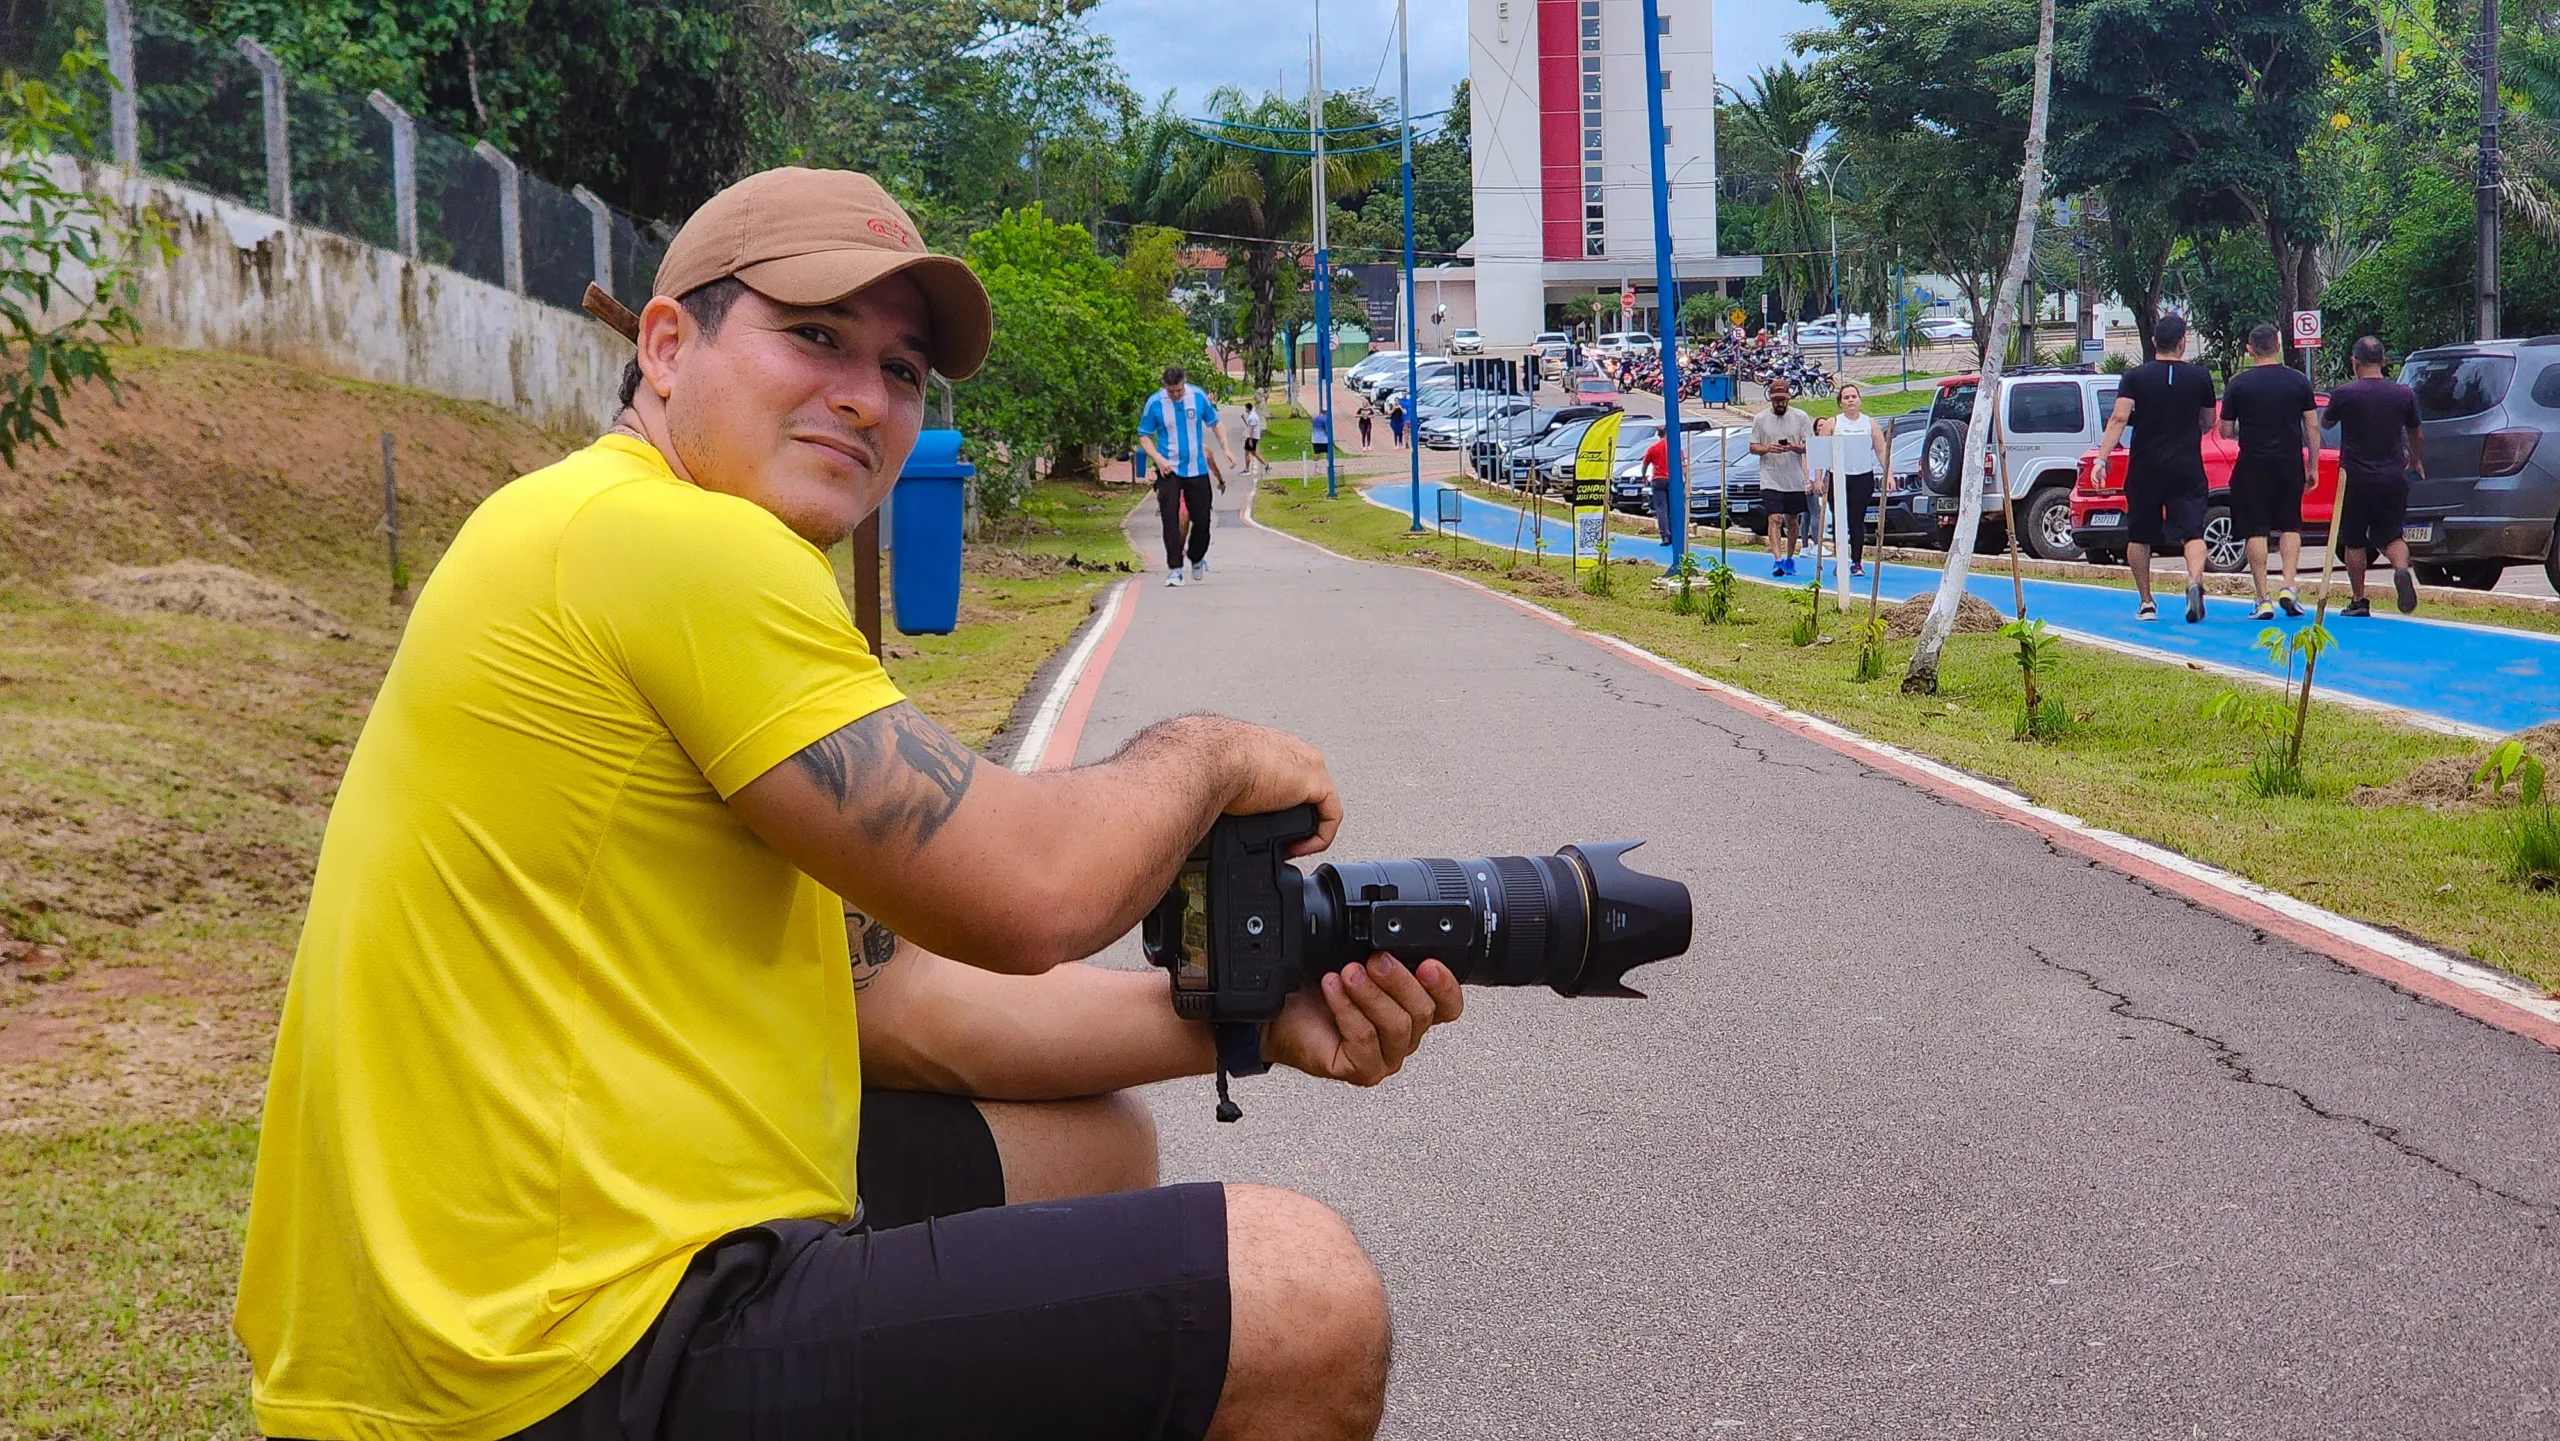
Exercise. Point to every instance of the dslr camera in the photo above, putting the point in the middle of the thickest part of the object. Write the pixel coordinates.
(1241, 928)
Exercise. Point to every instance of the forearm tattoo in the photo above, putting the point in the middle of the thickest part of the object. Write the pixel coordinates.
(873, 944)
(895, 773)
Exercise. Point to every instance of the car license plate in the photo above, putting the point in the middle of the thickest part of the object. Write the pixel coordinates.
(2418, 532)
(2105, 519)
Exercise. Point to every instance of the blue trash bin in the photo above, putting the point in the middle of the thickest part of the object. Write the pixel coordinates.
(1715, 389)
(925, 524)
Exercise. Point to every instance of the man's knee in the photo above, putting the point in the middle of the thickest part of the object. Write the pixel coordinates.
(1088, 1147)
(1310, 1342)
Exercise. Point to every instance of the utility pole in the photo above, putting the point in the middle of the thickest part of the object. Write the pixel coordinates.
(1412, 359)
(2491, 108)
(1324, 257)
(1666, 286)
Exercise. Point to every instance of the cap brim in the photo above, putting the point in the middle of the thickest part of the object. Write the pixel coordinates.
(963, 322)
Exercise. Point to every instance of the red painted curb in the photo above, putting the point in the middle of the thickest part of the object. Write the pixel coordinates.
(1060, 753)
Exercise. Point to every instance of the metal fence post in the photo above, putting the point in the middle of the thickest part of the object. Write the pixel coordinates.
(404, 168)
(279, 151)
(510, 213)
(599, 236)
(124, 118)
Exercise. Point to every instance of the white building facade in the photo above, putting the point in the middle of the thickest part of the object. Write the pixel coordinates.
(1563, 159)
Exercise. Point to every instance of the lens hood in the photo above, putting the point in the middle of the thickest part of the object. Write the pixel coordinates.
(1636, 919)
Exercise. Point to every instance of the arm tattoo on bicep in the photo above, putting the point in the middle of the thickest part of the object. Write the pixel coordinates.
(897, 774)
(874, 945)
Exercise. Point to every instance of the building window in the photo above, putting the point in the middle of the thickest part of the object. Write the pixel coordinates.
(1666, 79)
(1593, 210)
(1666, 137)
(1664, 25)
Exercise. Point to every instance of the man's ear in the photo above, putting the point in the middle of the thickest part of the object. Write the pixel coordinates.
(665, 329)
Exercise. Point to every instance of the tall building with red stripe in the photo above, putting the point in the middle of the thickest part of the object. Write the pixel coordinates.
(1563, 163)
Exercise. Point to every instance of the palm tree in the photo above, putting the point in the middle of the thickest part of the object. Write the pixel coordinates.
(1772, 127)
(1241, 174)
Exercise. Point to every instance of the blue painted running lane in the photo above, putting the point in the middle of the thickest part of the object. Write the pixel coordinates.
(2492, 679)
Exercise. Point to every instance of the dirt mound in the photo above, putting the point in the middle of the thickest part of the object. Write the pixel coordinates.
(1974, 616)
(196, 587)
(1006, 563)
(1445, 561)
(2444, 784)
(1538, 580)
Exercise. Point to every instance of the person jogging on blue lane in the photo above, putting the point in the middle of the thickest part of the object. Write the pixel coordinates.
(1175, 430)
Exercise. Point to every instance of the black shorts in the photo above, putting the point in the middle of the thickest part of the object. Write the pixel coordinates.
(1782, 502)
(1252, 444)
(2163, 511)
(940, 1311)
(2376, 511)
(2266, 497)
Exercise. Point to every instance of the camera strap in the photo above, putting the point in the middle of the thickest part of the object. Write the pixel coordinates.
(1239, 1054)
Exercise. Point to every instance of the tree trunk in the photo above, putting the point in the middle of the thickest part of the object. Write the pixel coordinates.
(1922, 677)
(1261, 268)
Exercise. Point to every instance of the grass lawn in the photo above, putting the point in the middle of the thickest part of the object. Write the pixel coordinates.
(1881, 398)
(165, 780)
(2142, 756)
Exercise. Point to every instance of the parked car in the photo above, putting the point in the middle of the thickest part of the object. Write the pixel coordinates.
(1500, 453)
(1630, 488)
(1475, 409)
(1902, 525)
(1466, 342)
(1371, 368)
(1390, 378)
(1591, 388)
(1940, 329)
(2097, 503)
(1733, 480)
(1551, 343)
(2050, 417)
(2492, 490)
(1619, 343)
(1546, 464)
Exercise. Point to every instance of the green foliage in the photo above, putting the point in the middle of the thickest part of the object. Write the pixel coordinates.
(2038, 651)
(1596, 580)
(1869, 664)
(2414, 290)
(2533, 835)
(2510, 761)
(1079, 341)
(1805, 627)
(2276, 769)
(71, 260)
(1716, 597)
(1684, 599)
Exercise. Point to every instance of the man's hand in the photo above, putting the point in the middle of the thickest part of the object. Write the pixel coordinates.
(1283, 771)
(1360, 1023)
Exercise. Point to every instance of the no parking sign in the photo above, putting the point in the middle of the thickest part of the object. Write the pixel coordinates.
(2306, 329)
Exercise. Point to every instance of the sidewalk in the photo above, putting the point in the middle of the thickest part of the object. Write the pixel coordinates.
(1935, 1129)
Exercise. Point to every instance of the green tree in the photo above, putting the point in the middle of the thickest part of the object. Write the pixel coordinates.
(1078, 342)
(70, 258)
(1762, 135)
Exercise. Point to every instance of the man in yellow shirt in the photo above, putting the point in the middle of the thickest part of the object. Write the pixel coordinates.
(576, 1128)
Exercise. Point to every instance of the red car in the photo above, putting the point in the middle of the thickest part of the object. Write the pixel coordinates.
(2097, 505)
(1591, 390)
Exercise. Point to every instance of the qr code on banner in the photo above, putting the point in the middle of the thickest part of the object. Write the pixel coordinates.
(1587, 530)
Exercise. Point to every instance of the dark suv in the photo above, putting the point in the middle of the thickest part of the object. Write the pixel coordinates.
(2492, 490)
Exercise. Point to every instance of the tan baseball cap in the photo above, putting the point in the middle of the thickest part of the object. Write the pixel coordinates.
(813, 237)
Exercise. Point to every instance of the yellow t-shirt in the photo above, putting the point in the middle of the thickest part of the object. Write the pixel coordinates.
(558, 1017)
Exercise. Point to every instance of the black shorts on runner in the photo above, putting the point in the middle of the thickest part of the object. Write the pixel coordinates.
(1782, 502)
(2266, 497)
(2160, 513)
(938, 1312)
(1252, 444)
(2375, 515)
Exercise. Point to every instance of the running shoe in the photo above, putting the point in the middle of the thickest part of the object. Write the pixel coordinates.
(2292, 603)
(2195, 601)
(1777, 568)
(1174, 576)
(2405, 586)
(2266, 611)
(1857, 567)
(2358, 606)
(2146, 610)
(1200, 569)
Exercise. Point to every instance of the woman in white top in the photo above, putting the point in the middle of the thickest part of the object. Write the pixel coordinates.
(1862, 450)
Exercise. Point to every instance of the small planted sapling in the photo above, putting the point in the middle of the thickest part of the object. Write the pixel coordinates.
(2040, 716)
(1716, 596)
(1806, 628)
(2533, 836)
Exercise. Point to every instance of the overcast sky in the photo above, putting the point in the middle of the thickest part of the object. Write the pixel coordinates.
(1194, 46)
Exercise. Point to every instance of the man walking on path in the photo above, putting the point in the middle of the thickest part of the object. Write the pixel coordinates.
(2380, 446)
(2270, 409)
(1175, 430)
(2169, 404)
(1253, 428)
(1780, 436)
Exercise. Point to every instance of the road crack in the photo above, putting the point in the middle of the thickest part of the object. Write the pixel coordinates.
(1736, 739)
(2236, 1065)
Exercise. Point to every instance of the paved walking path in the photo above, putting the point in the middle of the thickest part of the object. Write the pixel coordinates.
(1939, 1129)
(2483, 678)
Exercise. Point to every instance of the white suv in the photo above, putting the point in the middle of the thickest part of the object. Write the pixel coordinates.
(1466, 342)
(2048, 419)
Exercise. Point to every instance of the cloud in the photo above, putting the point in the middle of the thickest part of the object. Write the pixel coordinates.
(1193, 46)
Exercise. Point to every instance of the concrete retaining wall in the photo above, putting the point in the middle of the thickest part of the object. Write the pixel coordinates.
(243, 280)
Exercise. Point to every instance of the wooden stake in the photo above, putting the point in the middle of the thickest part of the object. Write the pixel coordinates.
(391, 515)
(2319, 616)
(2009, 523)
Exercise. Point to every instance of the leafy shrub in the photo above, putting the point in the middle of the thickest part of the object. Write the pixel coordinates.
(2040, 717)
(1806, 628)
(2533, 837)
(1869, 662)
(1716, 598)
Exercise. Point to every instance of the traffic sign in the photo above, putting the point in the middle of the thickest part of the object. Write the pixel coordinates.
(2306, 329)
(1626, 302)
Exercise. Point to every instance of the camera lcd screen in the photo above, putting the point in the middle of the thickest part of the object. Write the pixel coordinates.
(1192, 974)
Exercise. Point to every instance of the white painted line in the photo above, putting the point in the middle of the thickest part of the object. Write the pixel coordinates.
(1044, 721)
(2470, 975)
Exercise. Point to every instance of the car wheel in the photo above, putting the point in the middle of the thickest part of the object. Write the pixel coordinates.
(1938, 456)
(2224, 551)
(2551, 557)
(2046, 526)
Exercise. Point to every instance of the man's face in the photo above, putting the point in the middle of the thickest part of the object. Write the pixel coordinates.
(809, 411)
(1778, 396)
(1174, 391)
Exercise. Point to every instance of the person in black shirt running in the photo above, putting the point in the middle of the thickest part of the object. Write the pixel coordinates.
(2168, 403)
(2380, 446)
(2270, 409)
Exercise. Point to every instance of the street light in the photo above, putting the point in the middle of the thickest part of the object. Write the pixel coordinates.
(1812, 158)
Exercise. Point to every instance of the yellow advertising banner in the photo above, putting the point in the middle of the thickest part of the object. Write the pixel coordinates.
(1592, 462)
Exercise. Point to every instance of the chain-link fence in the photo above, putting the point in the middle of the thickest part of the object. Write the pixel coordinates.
(337, 161)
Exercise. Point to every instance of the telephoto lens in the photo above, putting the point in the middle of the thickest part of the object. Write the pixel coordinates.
(1576, 921)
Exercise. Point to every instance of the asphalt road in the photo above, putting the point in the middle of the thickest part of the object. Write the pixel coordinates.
(1936, 1131)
